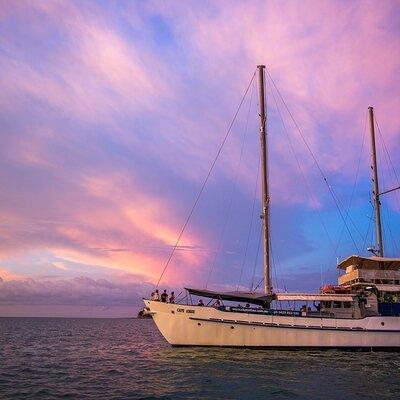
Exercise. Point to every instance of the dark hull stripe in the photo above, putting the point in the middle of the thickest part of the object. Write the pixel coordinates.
(272, 325)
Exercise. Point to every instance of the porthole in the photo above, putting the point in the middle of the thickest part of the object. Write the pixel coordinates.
(199, 324)
(232, 327)
(382, 323)
(172, 312)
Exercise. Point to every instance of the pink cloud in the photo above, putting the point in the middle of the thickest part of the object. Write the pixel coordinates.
(330, 60)
(328, 69)
(92, 76)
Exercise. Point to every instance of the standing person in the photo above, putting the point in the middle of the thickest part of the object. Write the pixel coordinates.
(200, 303)
(164, 296)
(156, 296)
(172, 297)
(152, 297)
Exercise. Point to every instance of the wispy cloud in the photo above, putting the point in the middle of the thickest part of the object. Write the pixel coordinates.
(81, 291)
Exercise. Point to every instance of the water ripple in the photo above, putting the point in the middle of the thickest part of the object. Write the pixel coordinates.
(128, 359)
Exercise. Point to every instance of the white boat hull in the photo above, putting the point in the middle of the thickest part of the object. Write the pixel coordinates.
(207, 326)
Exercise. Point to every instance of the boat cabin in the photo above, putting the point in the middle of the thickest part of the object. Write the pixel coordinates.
(373, 276)
(337, 305)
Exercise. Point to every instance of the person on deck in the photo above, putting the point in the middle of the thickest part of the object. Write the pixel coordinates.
(200, 303)
(172, 297)
(217, 304)
(164, 296)
(156, 296)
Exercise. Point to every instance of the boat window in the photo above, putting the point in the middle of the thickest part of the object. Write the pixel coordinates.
(326, 304)
(337, 304)
(347, 304)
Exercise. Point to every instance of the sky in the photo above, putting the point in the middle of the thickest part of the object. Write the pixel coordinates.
(112, 112)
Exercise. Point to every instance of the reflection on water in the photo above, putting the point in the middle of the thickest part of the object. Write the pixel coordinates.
(128, 358)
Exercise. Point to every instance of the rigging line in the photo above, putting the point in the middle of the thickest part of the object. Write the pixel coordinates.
(386, 150)
(279, 264)
(256, 260)
(388, 229)
(373, 219)
(367, 233)
(315, 160)
(229, 209)
(274, 267)
(259, 283)
(385, 183)
(355, 182)
(255, 264)
(274, 264)
(303, 175)
(394, 243)
(250, 227)
(369, 226)
(205, 180)
(385, 208)
(390, 161)
(349, 217)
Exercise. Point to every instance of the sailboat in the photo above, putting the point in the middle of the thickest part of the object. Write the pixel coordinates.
(361, 311)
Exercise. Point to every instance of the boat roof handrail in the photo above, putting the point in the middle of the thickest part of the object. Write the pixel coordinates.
(314, 297)
(261, 298)
(388, 288)
(370, 262)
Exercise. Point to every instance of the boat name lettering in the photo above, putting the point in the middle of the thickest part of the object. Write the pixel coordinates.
(180, 310)
(189, 311)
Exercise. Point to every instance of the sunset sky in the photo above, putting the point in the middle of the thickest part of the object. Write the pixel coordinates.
(113, 111)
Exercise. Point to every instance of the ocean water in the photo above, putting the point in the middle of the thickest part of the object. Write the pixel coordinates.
(52, 358)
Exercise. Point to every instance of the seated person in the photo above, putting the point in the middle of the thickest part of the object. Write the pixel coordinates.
(200, 303)
(217, 304)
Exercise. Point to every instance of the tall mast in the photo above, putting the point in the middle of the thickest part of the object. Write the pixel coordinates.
(264, 176)
(375, 190)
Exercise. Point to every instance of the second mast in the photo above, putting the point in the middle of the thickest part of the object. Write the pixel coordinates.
(375, 184)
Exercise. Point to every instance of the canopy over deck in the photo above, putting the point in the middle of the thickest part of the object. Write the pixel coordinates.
(247, 297)
(370, 263)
